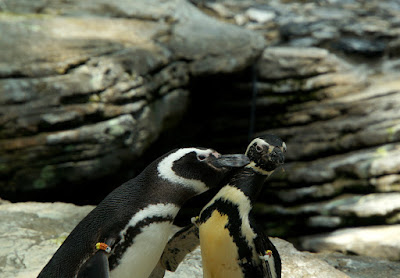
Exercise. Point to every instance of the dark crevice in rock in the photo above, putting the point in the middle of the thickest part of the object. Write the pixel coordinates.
(75, 122)
(75, 99)
(208, 121)
(13, 75)
(71, 67)
(131, 100)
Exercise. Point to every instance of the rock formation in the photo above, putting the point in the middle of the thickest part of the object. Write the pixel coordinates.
(88, 87)
(32, 232)
(328, 83)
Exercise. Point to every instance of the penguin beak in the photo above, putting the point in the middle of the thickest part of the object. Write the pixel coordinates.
(277, 156)
(229, 160)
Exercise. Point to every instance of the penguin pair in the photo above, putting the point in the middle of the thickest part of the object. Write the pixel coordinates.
(125, 235)
(232, 245)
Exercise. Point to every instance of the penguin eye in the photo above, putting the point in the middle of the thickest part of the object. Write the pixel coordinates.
(258, 149)
(201, 157)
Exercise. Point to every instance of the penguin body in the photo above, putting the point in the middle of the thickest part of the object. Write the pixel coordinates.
(231, 243)
(127, 232)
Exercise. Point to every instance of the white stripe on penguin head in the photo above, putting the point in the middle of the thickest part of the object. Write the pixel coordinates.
(165, 170)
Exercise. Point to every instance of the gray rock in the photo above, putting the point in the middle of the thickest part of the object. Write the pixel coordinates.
(357, 28)
(261, 16)
(337, 212)
(294, 264)
(303, 264)
(191, 266)
(296, 63)
(77, 104)
(362, 266)
(387, 183)
(367, 163)
(336, 106)
(32, 232)
(357, 206)
(322, 221)
(361, 46)
(377, 241)
(232, 51)
(371, 205)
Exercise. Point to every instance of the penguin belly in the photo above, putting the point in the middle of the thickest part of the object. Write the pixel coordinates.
(218, 250)
(142, 256)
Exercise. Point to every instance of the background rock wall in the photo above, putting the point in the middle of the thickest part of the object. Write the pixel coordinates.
(89, 89)
(328, 83)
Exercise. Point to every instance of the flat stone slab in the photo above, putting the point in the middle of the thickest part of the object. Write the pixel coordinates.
(376, 241)
(360, 266)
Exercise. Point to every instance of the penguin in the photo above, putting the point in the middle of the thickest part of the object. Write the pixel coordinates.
(125, 235)
(232, 245)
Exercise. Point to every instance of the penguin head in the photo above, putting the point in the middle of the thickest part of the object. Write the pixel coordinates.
(266, 153)
(198, 168)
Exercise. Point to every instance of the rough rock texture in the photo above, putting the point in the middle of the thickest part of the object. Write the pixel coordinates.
(360, 266)
(87, 86)
(91, 84)
(342, 132)
(303, 264)
(376, 241)
(364, 28)
(294, 264)
(306, 265)
(328, 83)
(31, 233)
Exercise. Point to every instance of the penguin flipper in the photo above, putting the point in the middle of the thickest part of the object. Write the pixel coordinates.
(272, 266)
(96, 267)
(182, 242)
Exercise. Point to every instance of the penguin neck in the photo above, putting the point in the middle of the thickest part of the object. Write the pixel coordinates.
(250, 182)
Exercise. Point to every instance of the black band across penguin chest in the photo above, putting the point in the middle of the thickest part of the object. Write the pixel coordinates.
(129, 237)
(227, 241)
(139, 237)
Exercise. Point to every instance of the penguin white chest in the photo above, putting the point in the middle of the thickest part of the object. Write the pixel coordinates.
(140, 259)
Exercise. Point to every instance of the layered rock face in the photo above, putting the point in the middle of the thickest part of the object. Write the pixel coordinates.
(328, 84)
(87, 87)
